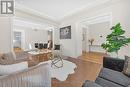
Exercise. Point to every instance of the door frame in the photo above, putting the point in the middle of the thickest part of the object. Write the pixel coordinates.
(101, 18)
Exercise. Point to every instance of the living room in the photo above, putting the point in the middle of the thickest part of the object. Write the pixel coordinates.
(38, 28)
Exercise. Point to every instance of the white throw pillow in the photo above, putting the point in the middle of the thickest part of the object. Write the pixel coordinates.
(10, 69)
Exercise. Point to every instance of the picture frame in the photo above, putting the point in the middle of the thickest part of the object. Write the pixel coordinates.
(65, 32)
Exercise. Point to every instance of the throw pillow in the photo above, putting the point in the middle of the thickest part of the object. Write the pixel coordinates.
(10, 69)
(7, 58)
(126, 69)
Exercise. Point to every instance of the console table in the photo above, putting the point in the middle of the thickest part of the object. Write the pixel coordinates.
(93, 46)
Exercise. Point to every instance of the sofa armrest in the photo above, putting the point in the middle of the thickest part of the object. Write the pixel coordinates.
(113, 63)
(90, 84)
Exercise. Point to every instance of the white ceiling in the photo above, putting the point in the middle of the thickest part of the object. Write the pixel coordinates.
(56, 9)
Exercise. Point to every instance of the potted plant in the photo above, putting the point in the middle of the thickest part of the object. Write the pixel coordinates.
(115, 40)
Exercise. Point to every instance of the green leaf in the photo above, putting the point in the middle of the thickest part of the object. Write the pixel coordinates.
(128, 40)
(115, 40)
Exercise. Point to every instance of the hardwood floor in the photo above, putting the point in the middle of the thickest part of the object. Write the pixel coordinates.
(88, 68)
(93, 57)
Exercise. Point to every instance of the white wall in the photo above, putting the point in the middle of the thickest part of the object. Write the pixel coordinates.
(69, 45)
(32, 36)
(120, 13)
(97, 30)
(5, 34)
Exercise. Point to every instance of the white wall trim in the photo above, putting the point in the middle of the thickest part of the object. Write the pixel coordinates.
(97, 19)
(21, 22)
(89, 6)
(31, 21)
(33, 12)
(94, 8)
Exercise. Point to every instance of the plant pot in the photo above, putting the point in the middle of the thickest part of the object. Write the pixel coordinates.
(113, 55)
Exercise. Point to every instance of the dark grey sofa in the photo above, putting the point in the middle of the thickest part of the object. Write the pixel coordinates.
(110, 76)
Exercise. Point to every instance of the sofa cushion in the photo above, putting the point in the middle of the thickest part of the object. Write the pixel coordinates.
(115, 76)
(126, 69)
(7, 58)
(90, 84)
(106, 83)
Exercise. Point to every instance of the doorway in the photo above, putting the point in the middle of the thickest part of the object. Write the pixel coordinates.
(18, 40)
(50, 39)
(97, 28)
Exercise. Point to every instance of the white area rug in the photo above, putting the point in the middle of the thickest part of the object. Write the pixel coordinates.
(61, 74)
